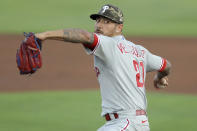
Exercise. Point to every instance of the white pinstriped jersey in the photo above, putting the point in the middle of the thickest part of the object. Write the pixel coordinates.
(121, 68)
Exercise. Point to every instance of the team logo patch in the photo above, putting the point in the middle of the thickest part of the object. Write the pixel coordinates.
(105, 8)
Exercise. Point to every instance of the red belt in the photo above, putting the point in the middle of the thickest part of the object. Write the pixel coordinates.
(138, 113)
(108, 118)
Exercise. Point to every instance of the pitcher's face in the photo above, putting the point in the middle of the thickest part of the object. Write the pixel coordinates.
(107, 27)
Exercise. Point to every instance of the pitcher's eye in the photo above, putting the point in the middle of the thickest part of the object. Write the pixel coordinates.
(98, 20)
(106, 21)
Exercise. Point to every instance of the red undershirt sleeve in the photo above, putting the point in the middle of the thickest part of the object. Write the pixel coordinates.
(93, 45)
(163, 66)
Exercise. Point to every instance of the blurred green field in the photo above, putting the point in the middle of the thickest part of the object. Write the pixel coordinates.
(80, 111)
(144, 17)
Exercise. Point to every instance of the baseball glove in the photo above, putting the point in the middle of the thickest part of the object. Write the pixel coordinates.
(28, 56)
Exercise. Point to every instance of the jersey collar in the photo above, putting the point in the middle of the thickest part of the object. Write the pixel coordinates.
(118, 37)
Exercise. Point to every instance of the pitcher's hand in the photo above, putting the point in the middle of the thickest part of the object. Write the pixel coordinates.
(161, 83)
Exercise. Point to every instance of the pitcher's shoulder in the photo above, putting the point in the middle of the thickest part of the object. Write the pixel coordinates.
(135, 45)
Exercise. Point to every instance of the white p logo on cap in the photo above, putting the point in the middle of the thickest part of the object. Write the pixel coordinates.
(105, 8)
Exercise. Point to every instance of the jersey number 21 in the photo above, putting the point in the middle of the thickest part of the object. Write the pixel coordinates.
(139, 68)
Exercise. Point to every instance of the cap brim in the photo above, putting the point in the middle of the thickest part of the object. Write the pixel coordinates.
(94, 16)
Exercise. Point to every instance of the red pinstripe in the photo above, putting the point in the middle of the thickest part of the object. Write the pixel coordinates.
(128, 122)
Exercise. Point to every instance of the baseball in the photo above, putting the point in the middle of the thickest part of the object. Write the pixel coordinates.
(163, 84)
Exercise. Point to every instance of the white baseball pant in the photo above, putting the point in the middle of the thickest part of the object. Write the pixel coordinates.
(126, 123)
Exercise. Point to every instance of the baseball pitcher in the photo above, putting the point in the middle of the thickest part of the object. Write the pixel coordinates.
(121, 68)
